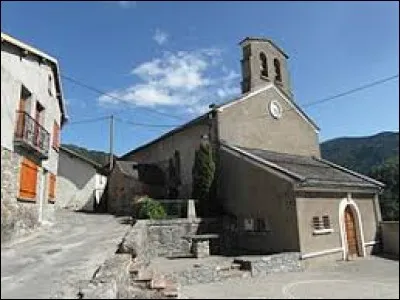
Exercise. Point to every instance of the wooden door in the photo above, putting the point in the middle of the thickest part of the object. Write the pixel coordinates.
(351, 232)
(28, 179)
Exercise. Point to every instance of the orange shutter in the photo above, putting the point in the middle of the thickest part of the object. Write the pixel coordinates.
(52, 186)
(56, 136)
(27, 180)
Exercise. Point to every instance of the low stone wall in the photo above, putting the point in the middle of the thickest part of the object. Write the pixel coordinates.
(135, 242)
(246, 266)
(264, 265)
(390, 237)
(165, 237)
(204, 274)
(17, 218)
(110, 281)
(153, 238)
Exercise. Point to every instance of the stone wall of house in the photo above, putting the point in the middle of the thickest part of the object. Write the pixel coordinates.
(34, 76)
(390, 237)
(17, 218)
(123, 191)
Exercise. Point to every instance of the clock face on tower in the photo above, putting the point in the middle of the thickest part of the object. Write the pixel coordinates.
(275, 109)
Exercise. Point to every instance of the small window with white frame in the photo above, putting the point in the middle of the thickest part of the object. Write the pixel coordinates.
(321, 225)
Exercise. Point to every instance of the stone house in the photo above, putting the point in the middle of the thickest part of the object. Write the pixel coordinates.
(32, 115)
(271, 180)
(81, 181)
(128, 181)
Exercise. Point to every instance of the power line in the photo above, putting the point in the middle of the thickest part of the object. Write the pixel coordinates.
(146, 124)
(84, 121)
(342, 94)
(96, 90)
(357, 89)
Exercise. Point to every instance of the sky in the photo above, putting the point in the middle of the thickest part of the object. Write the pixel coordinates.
(163, 63)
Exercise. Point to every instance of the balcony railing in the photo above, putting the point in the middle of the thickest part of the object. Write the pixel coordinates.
(30, 134)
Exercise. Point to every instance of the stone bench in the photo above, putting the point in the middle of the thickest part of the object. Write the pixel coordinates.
(201, 243)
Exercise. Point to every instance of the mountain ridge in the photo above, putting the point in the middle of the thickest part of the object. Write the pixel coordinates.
(360, 154)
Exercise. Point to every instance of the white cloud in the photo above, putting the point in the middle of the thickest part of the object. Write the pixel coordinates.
(160, 37)
(183, 80)
(197, 109)
(126, 4)
(74, 102)
(225, 92)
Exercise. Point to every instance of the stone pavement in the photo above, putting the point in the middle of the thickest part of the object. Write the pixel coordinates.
(371, 277)
(52, 262)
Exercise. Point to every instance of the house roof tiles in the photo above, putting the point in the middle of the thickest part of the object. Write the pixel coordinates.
(312, 170)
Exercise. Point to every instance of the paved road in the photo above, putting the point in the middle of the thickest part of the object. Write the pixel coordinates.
(51, 262)
(361, 279)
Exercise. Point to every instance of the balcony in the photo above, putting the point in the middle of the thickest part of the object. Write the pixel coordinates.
(31, 135)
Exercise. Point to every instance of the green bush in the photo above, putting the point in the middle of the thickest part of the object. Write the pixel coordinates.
(151, 209)
(388, 173)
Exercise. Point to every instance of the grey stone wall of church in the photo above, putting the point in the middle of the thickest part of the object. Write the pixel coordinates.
(248, 191)
(186, 142)
(249, 124)
(17, 218)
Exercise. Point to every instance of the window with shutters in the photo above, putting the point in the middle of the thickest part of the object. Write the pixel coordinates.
(316, 223)
(321, 225)
(52, 187)
(28, 180)
(56, 136)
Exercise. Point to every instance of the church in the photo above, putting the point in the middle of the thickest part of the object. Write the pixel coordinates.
(270, 177)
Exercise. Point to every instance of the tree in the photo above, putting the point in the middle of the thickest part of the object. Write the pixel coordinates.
(203, 175)
(388, 173)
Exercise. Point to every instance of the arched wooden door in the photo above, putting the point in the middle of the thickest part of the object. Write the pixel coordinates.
(351, 234)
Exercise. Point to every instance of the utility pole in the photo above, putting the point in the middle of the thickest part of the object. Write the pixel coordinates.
(111, 142)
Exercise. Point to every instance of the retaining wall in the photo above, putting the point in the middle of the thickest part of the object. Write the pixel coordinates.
(390, 237)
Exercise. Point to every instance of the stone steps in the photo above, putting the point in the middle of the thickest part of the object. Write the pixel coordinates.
(148, 279)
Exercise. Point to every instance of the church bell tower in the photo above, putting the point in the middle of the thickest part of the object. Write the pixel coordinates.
(263, 62)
